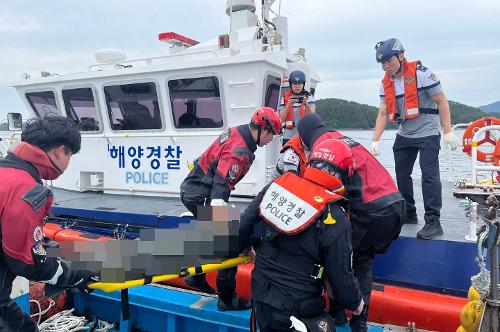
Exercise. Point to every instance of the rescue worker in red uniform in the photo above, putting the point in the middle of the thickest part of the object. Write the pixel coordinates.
(211, 181)
(376, 209)
(305, 237)
(44, 153)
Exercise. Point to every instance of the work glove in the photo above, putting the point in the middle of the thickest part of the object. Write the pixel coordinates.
(218, 202)
(83, 279)
(451, 140)
(73, 279)
(374, 148)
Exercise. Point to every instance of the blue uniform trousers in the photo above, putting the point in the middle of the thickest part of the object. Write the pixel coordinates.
(405, 153)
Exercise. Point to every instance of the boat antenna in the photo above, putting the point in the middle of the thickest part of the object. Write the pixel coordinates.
(230, 15)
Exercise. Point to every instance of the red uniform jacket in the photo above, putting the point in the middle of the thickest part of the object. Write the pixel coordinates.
(222, 165)
(24, 203)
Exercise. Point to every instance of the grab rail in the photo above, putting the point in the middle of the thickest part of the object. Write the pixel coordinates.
(149, 61)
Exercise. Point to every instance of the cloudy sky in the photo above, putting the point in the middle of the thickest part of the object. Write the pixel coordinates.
(458, 39)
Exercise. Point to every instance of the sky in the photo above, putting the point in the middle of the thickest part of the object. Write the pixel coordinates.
(459, 40)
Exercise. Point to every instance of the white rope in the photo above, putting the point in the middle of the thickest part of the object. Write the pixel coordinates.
(65, 321)
(40, 313)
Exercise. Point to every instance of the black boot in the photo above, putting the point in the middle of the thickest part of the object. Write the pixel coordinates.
(199, 282)
(235, 303)
(430, 230)
(360, 323)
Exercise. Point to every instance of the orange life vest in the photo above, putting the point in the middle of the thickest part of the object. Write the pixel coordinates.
(291, 203)
(296, 145)
(410, 91)
(290, 122)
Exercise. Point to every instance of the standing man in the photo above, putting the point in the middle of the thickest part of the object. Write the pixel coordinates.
(376, 208)
(412, 96)
(306, 238)
(295, 103)
(214, 176)
(44, 152)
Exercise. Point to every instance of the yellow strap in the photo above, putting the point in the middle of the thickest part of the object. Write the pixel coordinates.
(114, 286)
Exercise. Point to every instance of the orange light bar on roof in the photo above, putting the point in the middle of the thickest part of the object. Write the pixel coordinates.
(176, 39)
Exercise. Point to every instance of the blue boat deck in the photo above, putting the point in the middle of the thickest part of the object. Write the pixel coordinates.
(163, 308)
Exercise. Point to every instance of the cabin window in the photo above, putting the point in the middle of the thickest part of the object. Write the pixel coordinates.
(273, 85)
(81, 108)
(43, 103)
(196, 102)
(133, 106)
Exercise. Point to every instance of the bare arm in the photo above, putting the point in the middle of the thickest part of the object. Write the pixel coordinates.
(444, 111)
(380, 123)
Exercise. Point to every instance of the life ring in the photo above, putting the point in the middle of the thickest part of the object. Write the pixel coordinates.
(469, 134)
(495, 159)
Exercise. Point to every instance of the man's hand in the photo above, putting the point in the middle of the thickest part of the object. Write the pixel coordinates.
(252, 254)
(451, 140)
(358, 311)
(374, 148)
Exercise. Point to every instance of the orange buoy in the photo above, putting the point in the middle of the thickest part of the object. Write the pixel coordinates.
(72, 235)
(388, 304)
(469, 134)
(50, 230)
(56, 233)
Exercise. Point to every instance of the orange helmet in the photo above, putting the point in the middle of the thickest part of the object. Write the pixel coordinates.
(268, 118)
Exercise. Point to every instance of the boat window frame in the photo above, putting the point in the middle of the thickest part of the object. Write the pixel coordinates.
(141, 80)
(225, 122)
(95, 94)
(56, 98)
(264, 87)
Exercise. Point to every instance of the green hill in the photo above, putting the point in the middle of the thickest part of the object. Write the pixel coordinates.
(491, 108)
(461, 113)
(344, 114)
